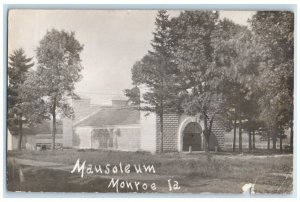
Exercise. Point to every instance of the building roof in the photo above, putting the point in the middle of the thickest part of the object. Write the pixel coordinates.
(83, 108)
(112, 116)
(45, 127)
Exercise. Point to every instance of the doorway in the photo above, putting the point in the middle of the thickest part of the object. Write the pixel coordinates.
(192, 137)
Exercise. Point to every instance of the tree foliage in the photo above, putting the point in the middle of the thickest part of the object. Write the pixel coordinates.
(236, 57)
(18, 66)
(275, 33)
(58, 69)
(193, 53)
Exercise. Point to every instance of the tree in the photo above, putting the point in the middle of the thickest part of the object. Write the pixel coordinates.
(34, 107)
(235, 56)
(252, 123)
(193, 55)
(134, 95)
(18, 66)
(59, 67)
(275, 32)
(156, 72)
(226, 38)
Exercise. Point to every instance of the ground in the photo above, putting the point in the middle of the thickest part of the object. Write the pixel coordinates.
(50, 171)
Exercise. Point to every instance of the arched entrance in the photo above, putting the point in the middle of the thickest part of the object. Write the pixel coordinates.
(192, 137)
(190, 134)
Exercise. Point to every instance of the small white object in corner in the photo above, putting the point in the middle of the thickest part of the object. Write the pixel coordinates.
(248, 189)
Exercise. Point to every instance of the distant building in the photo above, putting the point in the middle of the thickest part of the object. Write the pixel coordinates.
(38, 137)
(115, 127)
(109, 128)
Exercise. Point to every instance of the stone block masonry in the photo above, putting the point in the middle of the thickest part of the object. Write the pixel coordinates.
(218, 131)
(171, 124)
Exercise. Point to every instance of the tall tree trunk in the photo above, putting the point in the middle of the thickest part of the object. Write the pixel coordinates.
(234, 133)
(250, 141)
(210, 131)
(253, 139)
(240, 134)
(20, 134)
(280, 144)
(161, 122)
(269, 139)
(274, 137)
(280, 133)
(53, 125)
(292, 136)
(161, 116)
(205, 134)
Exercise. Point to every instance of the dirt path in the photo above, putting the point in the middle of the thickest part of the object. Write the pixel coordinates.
(42, 164)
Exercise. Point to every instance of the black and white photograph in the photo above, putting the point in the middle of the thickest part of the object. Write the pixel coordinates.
(195, 101)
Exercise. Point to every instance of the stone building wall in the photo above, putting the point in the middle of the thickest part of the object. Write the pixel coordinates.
(171, 124)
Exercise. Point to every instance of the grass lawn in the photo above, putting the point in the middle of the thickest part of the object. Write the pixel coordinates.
(47, 180)
(195, 173)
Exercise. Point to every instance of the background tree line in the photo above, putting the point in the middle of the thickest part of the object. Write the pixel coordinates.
(205, 66)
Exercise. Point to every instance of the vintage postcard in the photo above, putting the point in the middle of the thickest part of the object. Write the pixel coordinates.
(150, 101)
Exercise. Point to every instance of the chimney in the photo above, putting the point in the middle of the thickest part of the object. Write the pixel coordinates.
(81, 108)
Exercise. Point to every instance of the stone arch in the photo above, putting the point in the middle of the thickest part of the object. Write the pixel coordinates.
(183, 125)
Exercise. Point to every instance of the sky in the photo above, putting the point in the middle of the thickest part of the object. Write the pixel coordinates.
(113, 41)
